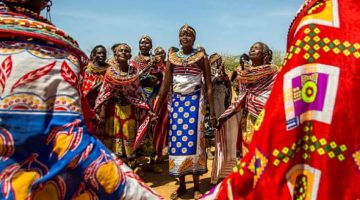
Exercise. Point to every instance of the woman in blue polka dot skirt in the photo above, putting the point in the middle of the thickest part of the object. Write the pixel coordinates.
(188, 71)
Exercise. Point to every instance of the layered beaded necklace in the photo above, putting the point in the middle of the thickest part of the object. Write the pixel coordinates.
(144, 59)
(30, 13)
(95, 68)
(185, 57)
(124, 73)
(147, 65)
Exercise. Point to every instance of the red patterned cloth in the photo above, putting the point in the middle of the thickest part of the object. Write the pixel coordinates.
(308, 145)
(254, 90)
(129, 86)
(151, 76)
(90, 87)
(161, 130)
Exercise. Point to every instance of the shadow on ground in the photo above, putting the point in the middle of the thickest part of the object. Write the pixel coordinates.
(166, 185)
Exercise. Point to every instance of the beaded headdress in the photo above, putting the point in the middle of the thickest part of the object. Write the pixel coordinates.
(145, 37)
(114, 48)
(159, 48)
(214, 57)
(186, 27)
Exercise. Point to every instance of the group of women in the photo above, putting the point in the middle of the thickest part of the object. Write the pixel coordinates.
(144, 104)
(122, 95)
(130, 99)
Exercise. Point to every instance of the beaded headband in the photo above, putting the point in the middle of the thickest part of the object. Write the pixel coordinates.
(186, 27)
(145, 37)
(115, 47)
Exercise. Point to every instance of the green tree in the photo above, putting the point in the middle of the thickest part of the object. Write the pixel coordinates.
(232, 61)
(278, 57)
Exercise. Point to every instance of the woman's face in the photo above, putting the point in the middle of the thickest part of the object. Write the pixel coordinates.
(122, 53)
(256, 53)
(161, 54)
(100, 56)
(145, 45)
(186, 38)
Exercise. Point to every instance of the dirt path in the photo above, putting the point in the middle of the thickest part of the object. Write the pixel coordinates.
(165, 185)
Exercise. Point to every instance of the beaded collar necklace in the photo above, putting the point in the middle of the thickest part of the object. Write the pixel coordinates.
(185, 57)
(95, 68)
(147, 65)
(118, 77)
(29, 13)
(123, 73)
(143, 58)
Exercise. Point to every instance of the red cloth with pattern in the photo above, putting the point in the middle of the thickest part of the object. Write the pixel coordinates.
(91, 84)
(161, 129)
(308, 145)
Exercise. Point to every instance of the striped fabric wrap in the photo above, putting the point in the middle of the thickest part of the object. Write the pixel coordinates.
(129, 86)
(191, 69)
(256, 73)
(254, 90)
(186, 64)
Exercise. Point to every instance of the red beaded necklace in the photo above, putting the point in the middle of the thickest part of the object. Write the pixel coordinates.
(31, 14)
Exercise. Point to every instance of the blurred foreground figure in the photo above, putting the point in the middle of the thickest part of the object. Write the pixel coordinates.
(308, 144)
(46, 151)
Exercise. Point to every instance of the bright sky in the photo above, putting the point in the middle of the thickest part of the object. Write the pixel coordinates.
(227, 26)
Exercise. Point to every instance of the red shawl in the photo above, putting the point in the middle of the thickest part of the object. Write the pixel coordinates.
(254, 90)
(308, 146)
(129, 86)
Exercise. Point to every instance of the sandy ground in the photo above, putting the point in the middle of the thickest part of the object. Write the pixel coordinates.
(165, 185)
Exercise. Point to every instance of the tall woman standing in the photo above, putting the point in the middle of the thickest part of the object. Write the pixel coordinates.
(188, 72)
(150, 76)
(91, 84)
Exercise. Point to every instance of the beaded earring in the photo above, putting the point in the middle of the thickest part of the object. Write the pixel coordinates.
(48, 8)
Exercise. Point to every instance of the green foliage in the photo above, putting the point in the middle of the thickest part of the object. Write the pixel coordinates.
(278, 57)
(231, 62)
